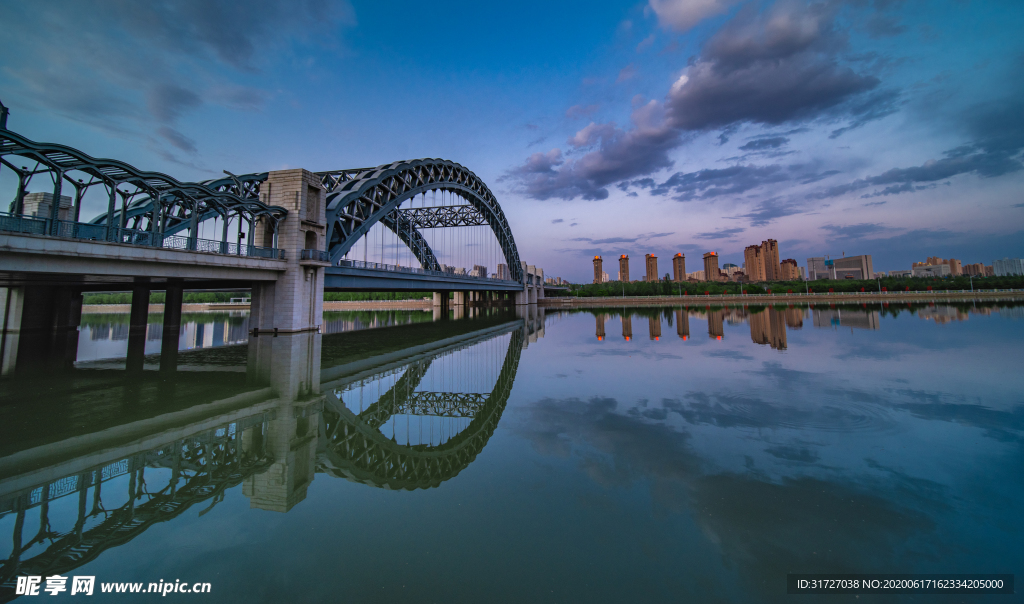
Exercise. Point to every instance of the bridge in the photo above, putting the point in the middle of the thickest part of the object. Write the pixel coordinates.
(288, 236)
(302, 408)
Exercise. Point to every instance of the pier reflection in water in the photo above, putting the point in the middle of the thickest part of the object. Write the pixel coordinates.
(127, 451)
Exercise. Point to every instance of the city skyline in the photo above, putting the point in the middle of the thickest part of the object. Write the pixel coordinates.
(648, 127)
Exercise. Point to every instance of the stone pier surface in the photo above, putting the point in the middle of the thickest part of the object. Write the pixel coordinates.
(294, 302)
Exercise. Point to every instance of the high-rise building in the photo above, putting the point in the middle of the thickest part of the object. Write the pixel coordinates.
(753, 263)
(604, 277)
(1007, 267)
(770, 251)
(652, 267)
(679, 268)
(654, 327)
(977, 269)
(598, 264)
(955, 268)
(711, 266)
(789, 270)
(683, 324)
(931, 270)
(41, 204)
(624, 268)
(503, 272)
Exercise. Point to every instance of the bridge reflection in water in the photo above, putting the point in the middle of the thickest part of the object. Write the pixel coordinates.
(400, 408)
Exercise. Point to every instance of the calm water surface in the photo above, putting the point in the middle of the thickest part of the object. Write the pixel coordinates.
(612, 455)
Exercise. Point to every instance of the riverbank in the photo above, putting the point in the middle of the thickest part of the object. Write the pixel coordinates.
(820, 298)
(234, 306)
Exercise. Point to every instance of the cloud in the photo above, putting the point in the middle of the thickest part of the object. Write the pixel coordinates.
(769, 209)
(710, 183)
(761, 144)
(720, 234)
(580, 111)
(770, 67)
(140, 67)
(767, 67)
(996, 134)
(557, 220)
(626, 73)
(855, 231)
(682, 15)
(617, 155)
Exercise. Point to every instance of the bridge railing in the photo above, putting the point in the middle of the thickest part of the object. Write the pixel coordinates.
(32, 225)
(417, 271)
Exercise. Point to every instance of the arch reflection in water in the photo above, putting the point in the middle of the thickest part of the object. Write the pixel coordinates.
(267, 416)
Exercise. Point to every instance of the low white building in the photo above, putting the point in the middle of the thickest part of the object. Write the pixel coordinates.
(931, 270)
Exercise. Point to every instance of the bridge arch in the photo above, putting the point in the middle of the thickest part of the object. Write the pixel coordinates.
(358, 199)
(355, 448)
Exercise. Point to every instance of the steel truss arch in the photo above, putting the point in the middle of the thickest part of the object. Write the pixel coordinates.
(180, 205)
(356, 450)
(357, 199)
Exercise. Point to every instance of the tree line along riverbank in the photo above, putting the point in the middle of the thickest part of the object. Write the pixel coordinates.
(666, 287)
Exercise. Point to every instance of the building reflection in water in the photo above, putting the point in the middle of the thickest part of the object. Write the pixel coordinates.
(683, 324)
(654, 327)
(716, 331)
(600, 319)
(269, 415)
(855, 318)
(627, 327)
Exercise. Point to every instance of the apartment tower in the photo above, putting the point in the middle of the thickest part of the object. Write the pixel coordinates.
(652, 267)
(598, 264)
(753, 259)
(711, 266)
(679, 268)
(770, 251)
(624, 268)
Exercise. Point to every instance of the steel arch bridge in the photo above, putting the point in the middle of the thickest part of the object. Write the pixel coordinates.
(357, 199)
(355, 448)
(146, 207)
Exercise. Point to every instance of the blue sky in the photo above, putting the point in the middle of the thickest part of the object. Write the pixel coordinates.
(887, 127)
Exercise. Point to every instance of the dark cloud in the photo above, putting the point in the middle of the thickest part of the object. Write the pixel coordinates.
(769, 67)
(720, 234)
(151, 62)
(709, 183)
(799, 454)
(855, 231)
(615, 155)
(769, 209)
(996, 134)
(761, 144)
(557, 220)
(168, 101)
(177, 139)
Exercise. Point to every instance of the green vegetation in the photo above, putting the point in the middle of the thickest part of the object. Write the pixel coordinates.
(211, 297)
(669, 288)
(361, 296)
(158, 297)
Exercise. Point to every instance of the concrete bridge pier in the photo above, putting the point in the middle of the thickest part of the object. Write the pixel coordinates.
(137, 323)
(39, 327)
(533, 285)
(294, 302)
(172, 326)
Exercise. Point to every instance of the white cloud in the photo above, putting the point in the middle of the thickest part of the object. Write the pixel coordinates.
(682, 15)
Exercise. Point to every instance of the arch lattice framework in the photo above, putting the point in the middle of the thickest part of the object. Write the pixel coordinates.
(357, 199)
(182, 205)
(356, 449)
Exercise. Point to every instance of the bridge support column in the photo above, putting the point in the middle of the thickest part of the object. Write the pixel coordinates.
(40, 328)
(293, 303)
(441, 304)
(13, 300)
(137, 322)
(172, 326)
